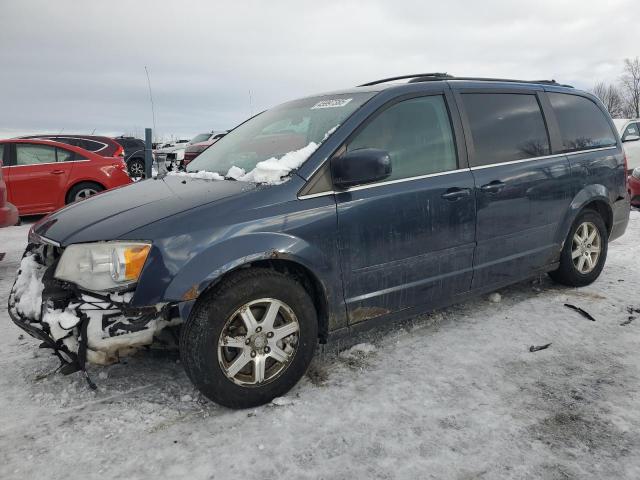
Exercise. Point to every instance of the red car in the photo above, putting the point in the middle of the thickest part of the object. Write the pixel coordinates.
(8, 212)
(634, 188)
(43, 176)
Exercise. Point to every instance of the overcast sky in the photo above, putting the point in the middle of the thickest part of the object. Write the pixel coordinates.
(78, 65)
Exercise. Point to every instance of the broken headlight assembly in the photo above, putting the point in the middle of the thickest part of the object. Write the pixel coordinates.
(104, 266)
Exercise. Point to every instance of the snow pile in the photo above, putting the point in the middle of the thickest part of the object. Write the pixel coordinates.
(358, 351)
(61, 324)
(28, 288)
(282, 402)
(236, 173)
(495, 297)
(273, 169)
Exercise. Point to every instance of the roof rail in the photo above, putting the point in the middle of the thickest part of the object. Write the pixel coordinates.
(426, 76)
(431, 77)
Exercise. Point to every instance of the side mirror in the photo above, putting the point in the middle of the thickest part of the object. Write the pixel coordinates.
(359, 167)
(631, 138)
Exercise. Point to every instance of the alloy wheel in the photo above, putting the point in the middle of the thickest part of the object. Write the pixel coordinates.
(136, 169)
(85, 193)
(586, 247)
(258, 342)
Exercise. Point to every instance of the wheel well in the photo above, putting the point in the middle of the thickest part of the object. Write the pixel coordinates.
(604, 210)
(303, 275)
(66, 197)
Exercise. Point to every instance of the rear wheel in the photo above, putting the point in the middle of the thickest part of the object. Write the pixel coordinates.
(136, 168)
(251, 339)
(83, 191)
(584, 252)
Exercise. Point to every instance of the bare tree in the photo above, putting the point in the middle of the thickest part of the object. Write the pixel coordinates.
(611, 97)
(630, 82)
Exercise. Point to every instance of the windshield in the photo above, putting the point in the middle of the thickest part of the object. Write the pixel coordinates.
(200, 138)
(268, 146)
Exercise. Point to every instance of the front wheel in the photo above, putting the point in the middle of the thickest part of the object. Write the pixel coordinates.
(251, 339)
(584, 252)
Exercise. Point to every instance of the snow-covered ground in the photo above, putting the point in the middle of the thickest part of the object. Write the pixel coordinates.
(453, 395)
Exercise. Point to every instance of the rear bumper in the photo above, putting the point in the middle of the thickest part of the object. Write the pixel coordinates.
(621, 210)
(8, 215)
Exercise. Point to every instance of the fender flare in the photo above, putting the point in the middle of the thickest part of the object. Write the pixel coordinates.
(204, 269)
(588, 194)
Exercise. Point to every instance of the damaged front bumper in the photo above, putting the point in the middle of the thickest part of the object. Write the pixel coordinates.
(80, 326)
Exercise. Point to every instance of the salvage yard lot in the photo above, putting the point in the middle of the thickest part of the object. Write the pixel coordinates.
(455, 394)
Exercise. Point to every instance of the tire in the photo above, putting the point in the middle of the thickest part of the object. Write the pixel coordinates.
(82, 191)
(136, 168)
(219, 317)
(568, 273)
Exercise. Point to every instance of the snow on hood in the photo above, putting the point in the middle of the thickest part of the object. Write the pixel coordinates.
(270, 171)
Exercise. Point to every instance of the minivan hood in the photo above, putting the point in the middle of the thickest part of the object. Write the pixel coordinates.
(112, 214)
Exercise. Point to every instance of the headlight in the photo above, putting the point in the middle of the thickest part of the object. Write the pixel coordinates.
(636, 173)
(106, 266)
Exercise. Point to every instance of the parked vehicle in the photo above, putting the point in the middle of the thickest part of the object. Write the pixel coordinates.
(196, 147)
(8, 211)
(172, 153)
(629, 131)
(43, 176)
(103, 146)
(133, 155)
(376, 203)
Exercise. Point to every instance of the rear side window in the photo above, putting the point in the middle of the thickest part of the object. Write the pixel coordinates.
(417, 135)
(505, 127)
(34, 154)
(582, 123)
(65, 155)
(90, 145)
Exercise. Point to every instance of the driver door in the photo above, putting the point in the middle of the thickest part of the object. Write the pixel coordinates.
(407, 240)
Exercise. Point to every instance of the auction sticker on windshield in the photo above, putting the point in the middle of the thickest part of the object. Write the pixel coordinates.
(333, 103)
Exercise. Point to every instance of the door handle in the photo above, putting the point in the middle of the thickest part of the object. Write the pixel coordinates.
(56, 172)
(493, 187)
(456, 193)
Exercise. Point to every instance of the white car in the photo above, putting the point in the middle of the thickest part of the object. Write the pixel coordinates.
(171, 152)
(629, 131)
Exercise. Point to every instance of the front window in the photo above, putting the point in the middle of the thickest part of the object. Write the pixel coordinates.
(268, 146)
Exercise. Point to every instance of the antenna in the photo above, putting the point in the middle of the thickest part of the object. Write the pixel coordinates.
(153, 112)
(93, 131)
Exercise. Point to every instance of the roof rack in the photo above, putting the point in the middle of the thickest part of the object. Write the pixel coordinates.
(433, 77)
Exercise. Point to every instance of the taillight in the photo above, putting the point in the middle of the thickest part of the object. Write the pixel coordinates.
(121, 165)
(119, 152)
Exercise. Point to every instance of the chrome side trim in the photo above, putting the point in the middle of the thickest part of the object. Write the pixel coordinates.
(402, 180)
(48, 163)
(380, 184)
(479, 167)
(544, 157)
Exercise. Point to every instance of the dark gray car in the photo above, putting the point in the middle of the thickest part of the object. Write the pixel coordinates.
(324, 214)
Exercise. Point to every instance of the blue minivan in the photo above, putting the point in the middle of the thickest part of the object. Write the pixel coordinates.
(315, 217)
